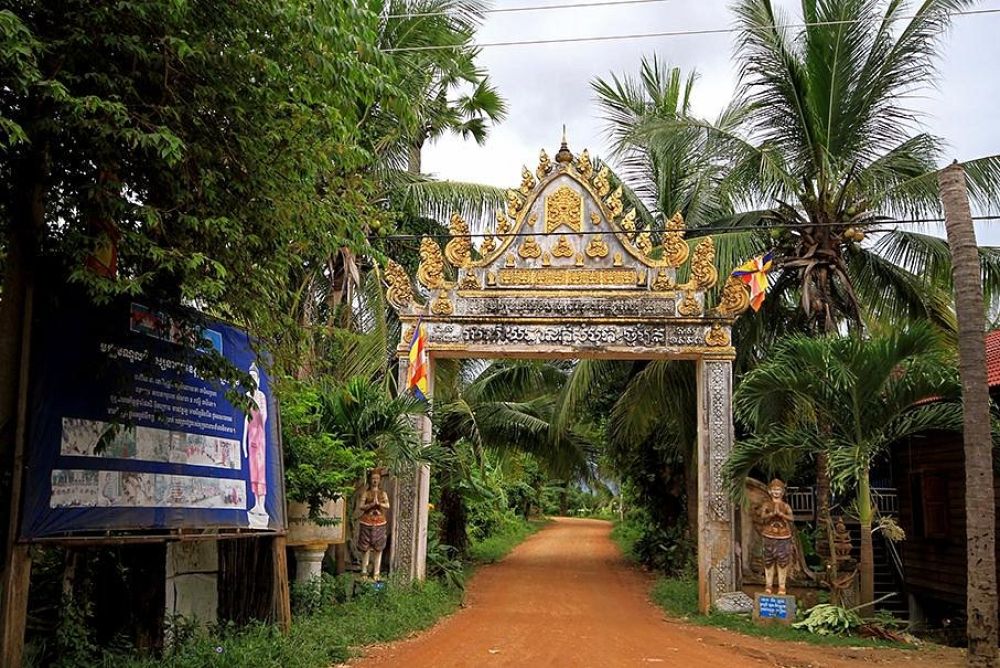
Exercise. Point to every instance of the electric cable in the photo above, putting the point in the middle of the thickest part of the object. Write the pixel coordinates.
(531, 8)
(668, 33)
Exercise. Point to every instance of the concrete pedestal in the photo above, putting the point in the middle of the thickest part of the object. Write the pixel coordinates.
(309, 562)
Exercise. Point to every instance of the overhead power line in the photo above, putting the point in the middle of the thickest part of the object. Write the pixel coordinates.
(693, 232)
(533, 8)
(667, 33)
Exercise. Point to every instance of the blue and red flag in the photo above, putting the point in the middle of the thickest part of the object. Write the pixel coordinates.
(416, 372)
(754, 274)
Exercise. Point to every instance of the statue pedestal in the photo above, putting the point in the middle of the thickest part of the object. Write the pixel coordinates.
(309, 561)
(773, 609)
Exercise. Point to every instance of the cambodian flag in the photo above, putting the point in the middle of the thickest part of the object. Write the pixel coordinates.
(416, 372)
(754, 274)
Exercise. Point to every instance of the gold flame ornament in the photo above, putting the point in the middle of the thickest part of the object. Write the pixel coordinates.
(459, 249)
(675, 249)
(399, 292)
(544, 165)
(602, 183)
(583, 164)
(430, 273)
(614, 203)
(527, 181)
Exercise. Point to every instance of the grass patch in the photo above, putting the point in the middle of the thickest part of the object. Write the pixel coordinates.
(625, 535)
(497, 546)
(316, 640)
(679, 597)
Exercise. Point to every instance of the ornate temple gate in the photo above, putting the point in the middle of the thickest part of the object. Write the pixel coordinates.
(566, 273)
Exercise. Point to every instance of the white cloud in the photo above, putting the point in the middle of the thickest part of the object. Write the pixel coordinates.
(549, 85)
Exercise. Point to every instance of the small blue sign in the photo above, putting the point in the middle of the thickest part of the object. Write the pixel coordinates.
(773, 607)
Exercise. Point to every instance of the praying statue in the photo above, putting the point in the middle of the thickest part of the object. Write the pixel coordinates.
(776, 517)
(372, 509)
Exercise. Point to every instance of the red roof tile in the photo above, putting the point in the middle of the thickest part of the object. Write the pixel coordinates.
(993, 358)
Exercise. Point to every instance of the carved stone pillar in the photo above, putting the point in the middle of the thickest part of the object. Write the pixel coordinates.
(716, 571)
(408, 554)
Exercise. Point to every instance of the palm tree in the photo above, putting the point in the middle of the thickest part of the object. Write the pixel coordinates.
(980, 518)
(505, 406)
(823, 145)
(851, 398)
(446, 90)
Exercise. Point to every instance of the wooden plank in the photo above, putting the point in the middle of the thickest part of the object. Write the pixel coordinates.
(282, 598)
(14, 606)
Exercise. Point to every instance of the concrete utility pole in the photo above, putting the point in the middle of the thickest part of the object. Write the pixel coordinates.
(980, 525)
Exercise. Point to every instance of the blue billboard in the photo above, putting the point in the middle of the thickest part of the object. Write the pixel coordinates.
(127, 435)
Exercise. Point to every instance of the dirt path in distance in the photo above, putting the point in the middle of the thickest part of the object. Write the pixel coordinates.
(566, 597)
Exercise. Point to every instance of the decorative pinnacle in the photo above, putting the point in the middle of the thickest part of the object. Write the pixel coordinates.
(564, 155)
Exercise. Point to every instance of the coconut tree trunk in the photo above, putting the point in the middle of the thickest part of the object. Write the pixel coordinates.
(414, 158)
(867, 552)
(981, 592)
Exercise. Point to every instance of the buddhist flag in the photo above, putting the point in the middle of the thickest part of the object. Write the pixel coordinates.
(416, 372)
(754, 274)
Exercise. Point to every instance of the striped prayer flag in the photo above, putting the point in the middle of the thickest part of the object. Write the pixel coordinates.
(416, 372)
(754, 274)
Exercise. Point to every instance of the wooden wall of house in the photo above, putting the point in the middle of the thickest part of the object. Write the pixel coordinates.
(930, 478)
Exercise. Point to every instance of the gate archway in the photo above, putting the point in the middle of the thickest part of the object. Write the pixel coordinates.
(568, 273)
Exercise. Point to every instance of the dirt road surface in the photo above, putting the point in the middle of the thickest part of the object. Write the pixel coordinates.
(566, 597)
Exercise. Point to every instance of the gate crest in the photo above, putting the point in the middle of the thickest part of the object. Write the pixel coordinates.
(569, 267)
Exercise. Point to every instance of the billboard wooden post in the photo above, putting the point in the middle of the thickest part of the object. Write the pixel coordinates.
(281, 597)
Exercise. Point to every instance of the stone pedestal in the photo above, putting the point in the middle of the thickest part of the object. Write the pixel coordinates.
(773, 609)
(309, 562)
(192, 581)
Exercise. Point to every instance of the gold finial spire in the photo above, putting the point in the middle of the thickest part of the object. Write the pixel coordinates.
(564, 156)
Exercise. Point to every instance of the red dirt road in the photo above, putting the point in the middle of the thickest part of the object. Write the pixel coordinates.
(565, 597)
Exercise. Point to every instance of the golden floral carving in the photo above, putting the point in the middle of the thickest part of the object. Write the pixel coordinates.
(614, 203)
(470, 281)
(595, 218)
(529, 248)
(430, 273)
(717, 337)
(564, 207)
(546, 259)
(583, 164)
(644, 243)
(459, 248)
(532, 219)
(735, 298)
(703, 272)
(675, 249)
(442, 305)
(597, 247)
(503, 223)
(628, 221)
(544, 165)
(663, 281)
(617, 260)
(399, 291)
(563, 248)
(601, 182)
(579, 260)
(514, 203)
(488, 246)
(527, 182)
(509, 262)
(689, 306)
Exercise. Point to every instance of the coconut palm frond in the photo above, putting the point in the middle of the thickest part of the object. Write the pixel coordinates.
(890, 293)
(440, 199)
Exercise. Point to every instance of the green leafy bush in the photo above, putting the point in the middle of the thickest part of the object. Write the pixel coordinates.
(319, 466)
(827, 619)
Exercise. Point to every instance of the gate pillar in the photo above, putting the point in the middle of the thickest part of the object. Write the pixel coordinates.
(716, 563)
